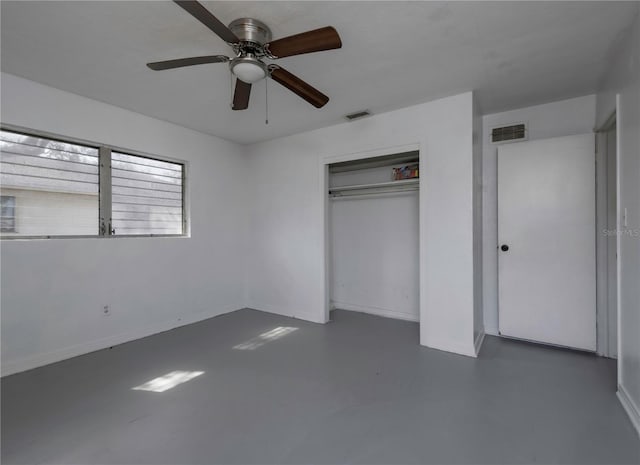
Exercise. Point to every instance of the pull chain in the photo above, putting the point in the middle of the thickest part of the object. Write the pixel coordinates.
(266, 101)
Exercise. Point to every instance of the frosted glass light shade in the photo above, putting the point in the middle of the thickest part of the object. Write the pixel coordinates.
(249, 72)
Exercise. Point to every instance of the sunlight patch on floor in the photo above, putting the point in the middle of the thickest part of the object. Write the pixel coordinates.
(262, 339)
(168, 381)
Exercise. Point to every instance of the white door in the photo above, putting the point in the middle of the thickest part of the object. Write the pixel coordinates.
(546, 248)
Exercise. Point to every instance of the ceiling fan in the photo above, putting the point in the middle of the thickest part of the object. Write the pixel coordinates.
(251, 43)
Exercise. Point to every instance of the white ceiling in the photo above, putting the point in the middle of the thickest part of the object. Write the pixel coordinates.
(394, 54)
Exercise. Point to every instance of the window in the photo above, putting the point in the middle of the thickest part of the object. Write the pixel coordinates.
(54, 183)
(8, 213)
(51, 188)
(146, 195)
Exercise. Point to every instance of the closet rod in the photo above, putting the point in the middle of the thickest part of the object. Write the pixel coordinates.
(372, 192)
(375, 185)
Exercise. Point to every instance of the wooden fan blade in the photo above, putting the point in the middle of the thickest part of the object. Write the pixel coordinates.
(180, 62)
(325, 38)
(241, 95)
(299, 87)
(205, 17)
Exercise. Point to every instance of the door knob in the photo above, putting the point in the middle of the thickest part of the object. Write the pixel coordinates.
(504, 247)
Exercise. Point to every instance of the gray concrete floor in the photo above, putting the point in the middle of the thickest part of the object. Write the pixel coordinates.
(357, 390)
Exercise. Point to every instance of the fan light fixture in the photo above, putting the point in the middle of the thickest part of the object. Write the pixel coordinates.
(248, 69)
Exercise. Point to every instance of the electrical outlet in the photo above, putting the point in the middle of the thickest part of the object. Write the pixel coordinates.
(106, 310)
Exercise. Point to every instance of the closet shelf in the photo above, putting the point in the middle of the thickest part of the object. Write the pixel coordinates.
(389, 186)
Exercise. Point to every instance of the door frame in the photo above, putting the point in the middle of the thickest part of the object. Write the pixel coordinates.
(325, 161)
(603, 282)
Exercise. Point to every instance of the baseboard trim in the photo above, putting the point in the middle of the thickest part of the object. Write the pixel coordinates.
(491, 331)
(376, 311)
(630, 407)
(477, 344)
(47, 358)
(434, 342)
(290, 313)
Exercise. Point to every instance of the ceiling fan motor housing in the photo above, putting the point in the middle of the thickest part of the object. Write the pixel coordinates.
(251, 30)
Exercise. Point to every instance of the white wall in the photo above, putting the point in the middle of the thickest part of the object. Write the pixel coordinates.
(286, 273)
(53, 291)
(623, 81)
(563, 118)
(374, 244)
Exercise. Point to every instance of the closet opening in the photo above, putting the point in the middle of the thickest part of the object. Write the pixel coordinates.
(373, 240)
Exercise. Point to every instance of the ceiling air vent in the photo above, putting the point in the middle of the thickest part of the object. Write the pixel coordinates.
(513, 133)
(357, 115)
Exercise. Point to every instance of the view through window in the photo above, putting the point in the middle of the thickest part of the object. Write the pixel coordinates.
(50, 187)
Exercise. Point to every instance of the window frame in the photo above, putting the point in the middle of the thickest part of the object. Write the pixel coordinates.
(104, 186)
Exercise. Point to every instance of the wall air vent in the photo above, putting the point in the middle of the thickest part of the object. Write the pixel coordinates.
(513, 133)
(357, 115)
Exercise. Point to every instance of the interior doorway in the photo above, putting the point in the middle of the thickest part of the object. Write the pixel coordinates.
(374, 235)
(363, 186)
(607, 237)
